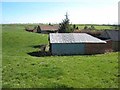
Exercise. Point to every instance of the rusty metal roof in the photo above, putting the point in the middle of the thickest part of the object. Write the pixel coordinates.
(73, 38)
(49, 27)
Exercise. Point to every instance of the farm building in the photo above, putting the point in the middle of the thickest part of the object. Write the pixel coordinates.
(114, 36)
(77, 43)
(31, 29)
(47, 28)
(35, 29)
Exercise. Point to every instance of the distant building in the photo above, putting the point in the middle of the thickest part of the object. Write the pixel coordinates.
(77, 43)
(30, 29)
(114, 35)
(47, 28)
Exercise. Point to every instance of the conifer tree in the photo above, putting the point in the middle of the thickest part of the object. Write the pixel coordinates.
(65, 27)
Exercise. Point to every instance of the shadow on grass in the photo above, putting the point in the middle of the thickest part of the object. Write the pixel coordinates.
(57, 86)
(41, 53)
(44, 54)
(62, 87)
(39, 46)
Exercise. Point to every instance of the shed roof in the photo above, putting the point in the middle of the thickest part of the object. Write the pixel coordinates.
(73, 38)
(49, 27)
(113, 34)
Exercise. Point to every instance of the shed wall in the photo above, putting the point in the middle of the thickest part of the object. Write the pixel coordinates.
(67, 49)
(115, 45)
(96, 48)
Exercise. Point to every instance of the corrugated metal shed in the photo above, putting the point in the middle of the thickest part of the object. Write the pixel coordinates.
(114, 34)
(73, 38)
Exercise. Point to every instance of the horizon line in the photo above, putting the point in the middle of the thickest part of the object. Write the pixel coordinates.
(58, 23)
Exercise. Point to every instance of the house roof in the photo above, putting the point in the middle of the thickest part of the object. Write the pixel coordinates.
(112, 34)
(73, 38)
(49, 27)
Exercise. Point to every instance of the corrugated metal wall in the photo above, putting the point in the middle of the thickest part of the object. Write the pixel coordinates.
(67, 49)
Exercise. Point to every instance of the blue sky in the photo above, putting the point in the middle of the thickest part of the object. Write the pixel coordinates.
(87, 11)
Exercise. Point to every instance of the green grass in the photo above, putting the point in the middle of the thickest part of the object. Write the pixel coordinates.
(97, 27)
(20, 70)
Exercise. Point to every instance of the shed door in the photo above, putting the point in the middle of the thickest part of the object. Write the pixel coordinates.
(68, 49)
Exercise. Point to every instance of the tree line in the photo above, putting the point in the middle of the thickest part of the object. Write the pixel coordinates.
(66, 27)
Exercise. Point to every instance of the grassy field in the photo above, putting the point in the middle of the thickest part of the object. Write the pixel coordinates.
(97, 27)
(80, 26)
(20, 70)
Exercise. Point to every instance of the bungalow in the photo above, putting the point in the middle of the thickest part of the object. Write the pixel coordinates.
(114, 35)
(76, 43)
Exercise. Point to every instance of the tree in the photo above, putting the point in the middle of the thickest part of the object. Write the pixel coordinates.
(85, 27)
(77, 28)
(74, 26)
(50, 24)
(65, 27)
(118, 27)
(92, 27)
